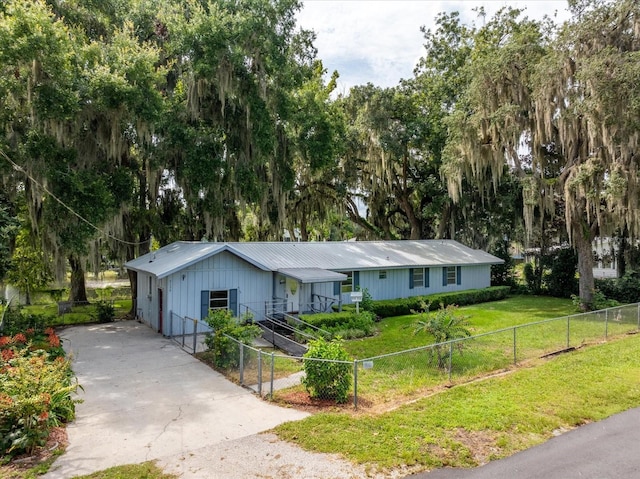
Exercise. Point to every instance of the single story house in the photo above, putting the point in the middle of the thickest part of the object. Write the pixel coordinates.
(186, 279)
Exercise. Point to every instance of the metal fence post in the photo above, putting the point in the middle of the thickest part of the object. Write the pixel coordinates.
(195, 335)
(170, 324)
(450, 359)
(606, 324)
(568, 332)
(183, 321)
(260, 373)
(272, 374)
(241, 364)
(355, 383)
(515, 356)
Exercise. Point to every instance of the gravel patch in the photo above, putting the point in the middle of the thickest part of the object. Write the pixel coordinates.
(262, 456)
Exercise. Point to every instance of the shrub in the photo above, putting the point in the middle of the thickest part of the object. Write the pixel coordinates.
(105, 311)
(624, 290)
(35, 393)
(226, 329)
(560, 278)
(347, 324)
(327, 370)
(403, 306)
(16, 321)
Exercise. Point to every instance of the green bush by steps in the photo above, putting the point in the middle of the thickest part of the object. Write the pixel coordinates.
(346, 325)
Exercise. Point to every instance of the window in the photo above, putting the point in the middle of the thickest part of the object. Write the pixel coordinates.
(418, 277)
(347, 284)
(219, 299)
(382, 274)
(452, 276)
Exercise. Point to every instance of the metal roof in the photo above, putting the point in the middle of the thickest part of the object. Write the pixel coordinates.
(331, 255)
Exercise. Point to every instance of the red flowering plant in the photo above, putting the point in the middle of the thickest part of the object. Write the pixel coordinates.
(36, 396)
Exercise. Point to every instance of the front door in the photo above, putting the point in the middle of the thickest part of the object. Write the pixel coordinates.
(293, 296)
(160, 310)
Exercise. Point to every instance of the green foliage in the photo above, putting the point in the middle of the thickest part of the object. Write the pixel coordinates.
(36, 385)
(17, 319)
(367, 300)
(560, 277)
(105, 311)
(346, 324)
(599, 301)
(227, 333)
(502, 274)
(8, 231)
(402, 306)
(624, 290)
(327, 370)
(443, 325)
(28, 270)
(533, 277)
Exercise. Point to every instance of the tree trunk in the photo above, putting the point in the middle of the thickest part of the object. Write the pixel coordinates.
(78, 292)
(133, 282)
(582, 243)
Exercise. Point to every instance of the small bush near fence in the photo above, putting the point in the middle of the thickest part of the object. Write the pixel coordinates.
(331, 378)
(226, 328)
(400, 307)
(346, 324)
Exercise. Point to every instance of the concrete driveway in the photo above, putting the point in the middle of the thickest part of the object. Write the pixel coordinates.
(145, 398)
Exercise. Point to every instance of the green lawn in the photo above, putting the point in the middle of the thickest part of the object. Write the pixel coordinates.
(475, 422)
(396, 334)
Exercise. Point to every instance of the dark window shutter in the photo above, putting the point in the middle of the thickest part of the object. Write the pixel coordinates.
(233, 302)
(426, 277)
(444, 276)
(459, 275)
(336, 288)
(410, 278)
(356, 280)
(204, 304)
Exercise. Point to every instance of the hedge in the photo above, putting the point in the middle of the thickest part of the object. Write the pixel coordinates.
(346, 324)
(402, 306)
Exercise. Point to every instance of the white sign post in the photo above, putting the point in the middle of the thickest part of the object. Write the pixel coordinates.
(356, 297)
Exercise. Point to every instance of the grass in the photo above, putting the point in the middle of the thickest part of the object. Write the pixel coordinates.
(146, 470)
(484, 420)
(396, 334)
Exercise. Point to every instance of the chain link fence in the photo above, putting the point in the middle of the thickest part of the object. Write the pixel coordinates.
(387, 379)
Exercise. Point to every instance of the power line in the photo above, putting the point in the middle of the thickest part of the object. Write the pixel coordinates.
(75, 213)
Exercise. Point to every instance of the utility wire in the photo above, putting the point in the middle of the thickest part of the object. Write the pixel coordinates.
(78, 215)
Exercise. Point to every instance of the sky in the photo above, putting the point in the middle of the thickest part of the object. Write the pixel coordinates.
(380, 41)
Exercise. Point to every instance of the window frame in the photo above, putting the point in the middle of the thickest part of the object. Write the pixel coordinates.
(452, 279)
(418, 282)
(346, 286)
(218, 300)
(382, 274)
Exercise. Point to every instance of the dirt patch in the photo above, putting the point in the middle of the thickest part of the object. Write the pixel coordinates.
(481, 444)
(56, 443)
(302, 401)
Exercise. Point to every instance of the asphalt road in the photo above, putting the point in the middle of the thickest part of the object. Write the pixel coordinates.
(609, 449)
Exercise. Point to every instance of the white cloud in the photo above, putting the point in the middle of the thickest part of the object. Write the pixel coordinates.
(380, 41)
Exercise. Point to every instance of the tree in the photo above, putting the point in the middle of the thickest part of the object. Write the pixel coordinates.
(9, 225)
(29, 267)
(561, 98)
